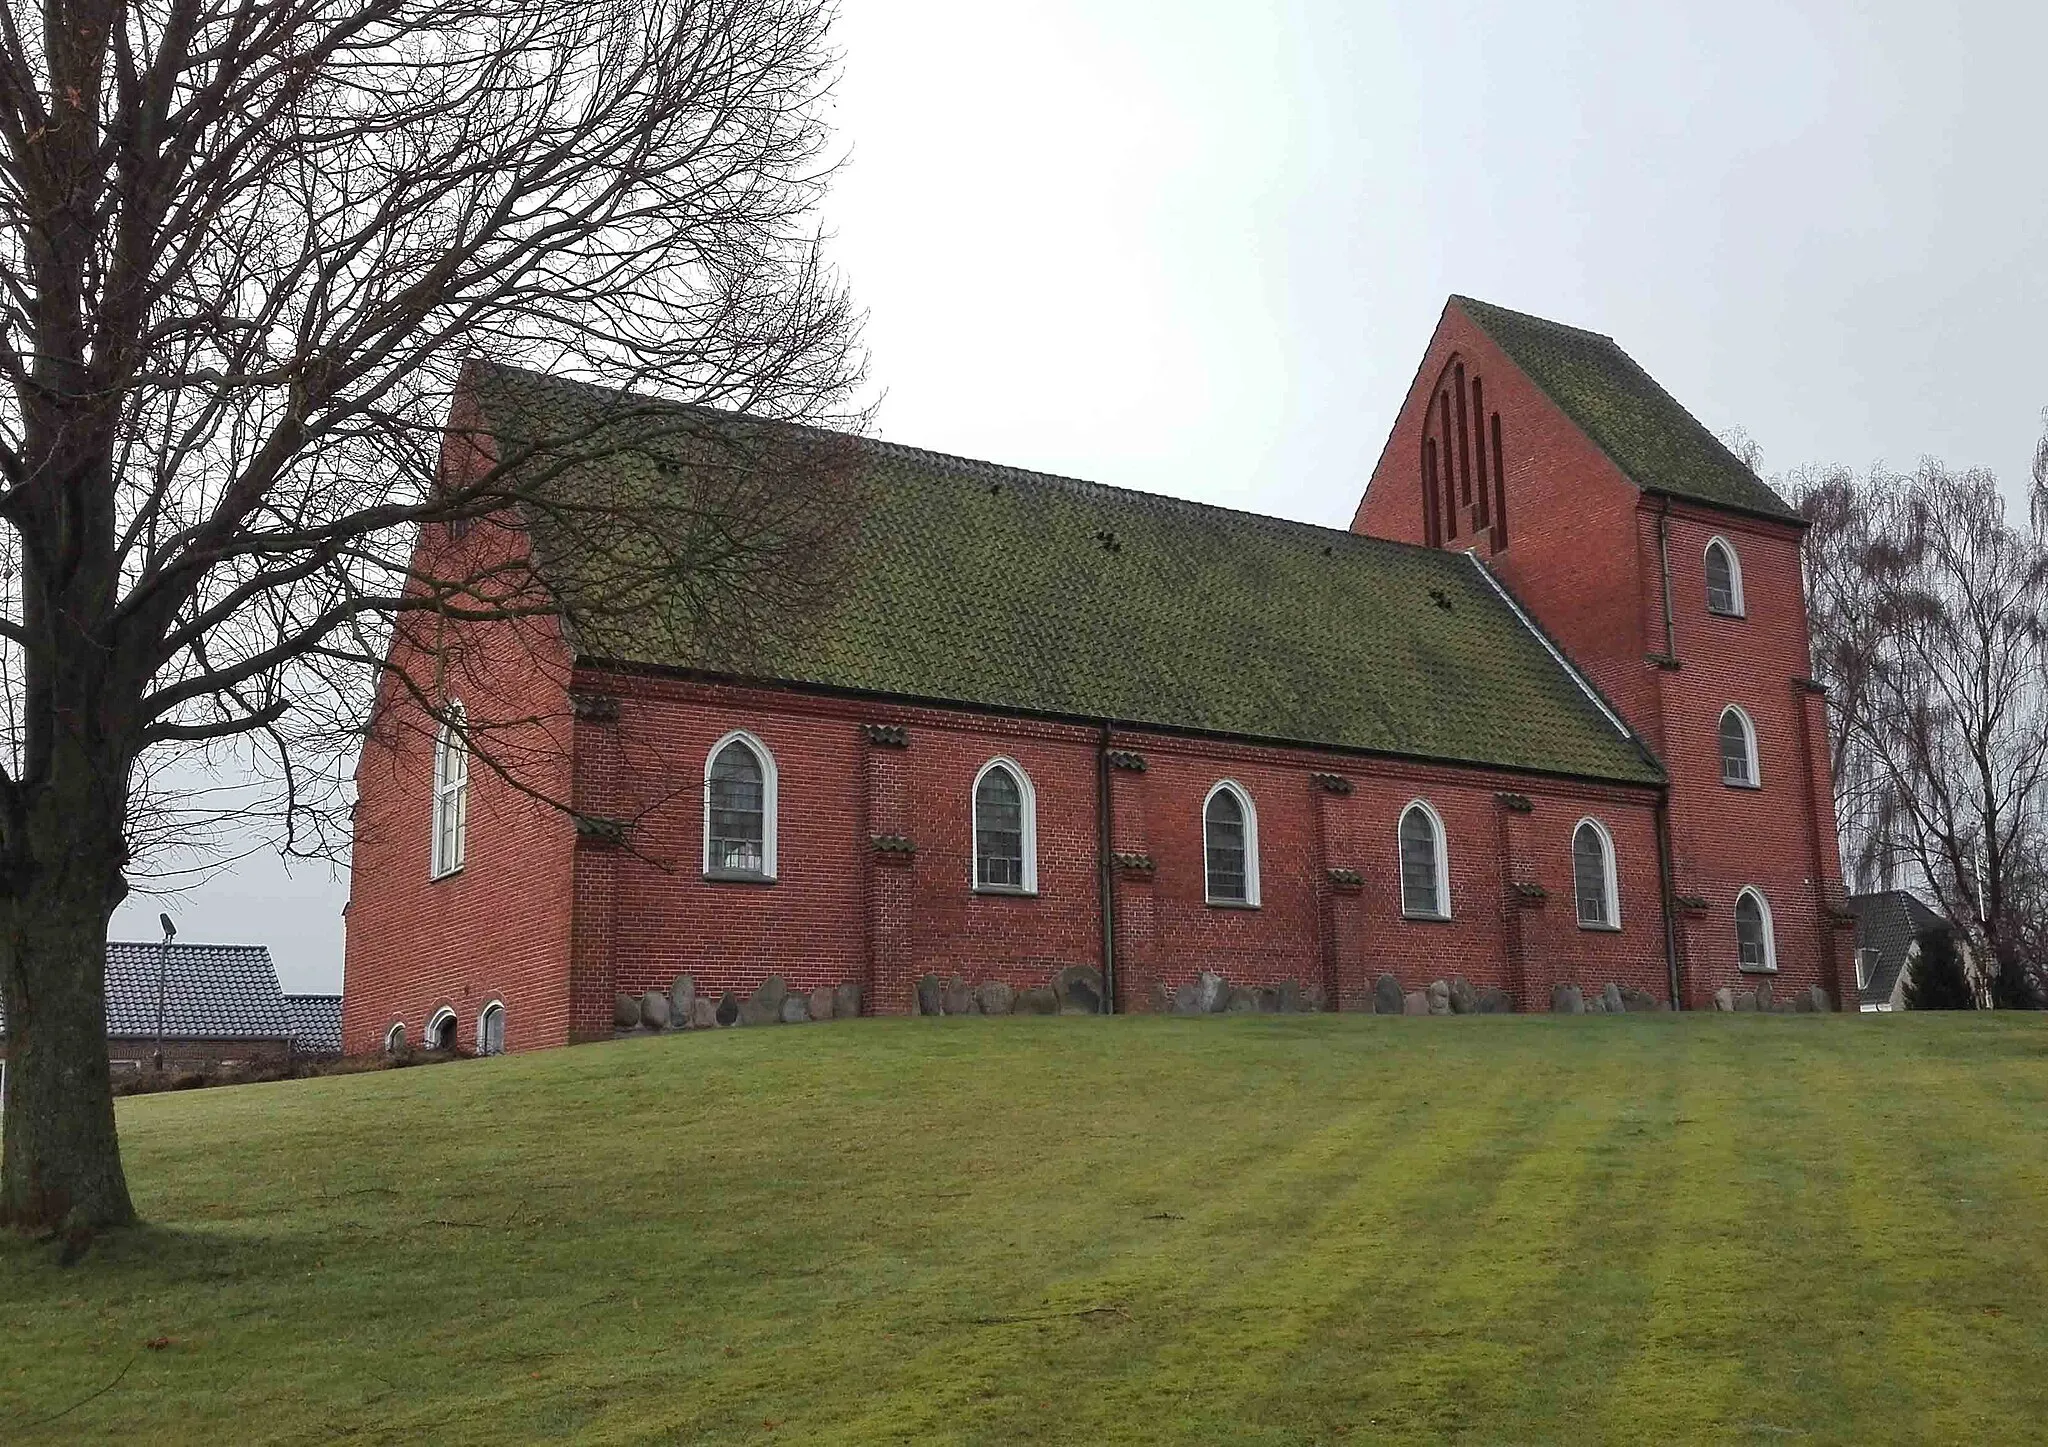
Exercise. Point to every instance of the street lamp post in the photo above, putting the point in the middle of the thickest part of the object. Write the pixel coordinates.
(163, 960)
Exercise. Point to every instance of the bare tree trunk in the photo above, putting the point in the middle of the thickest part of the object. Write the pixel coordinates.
(62, 1162)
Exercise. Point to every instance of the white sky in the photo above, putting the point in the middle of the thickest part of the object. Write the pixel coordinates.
(1198, 248)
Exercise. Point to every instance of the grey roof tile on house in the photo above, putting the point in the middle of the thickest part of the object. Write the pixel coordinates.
(976, 584)
(1643, 429)
(1888, 921)
(316, 1023)
(211, 992)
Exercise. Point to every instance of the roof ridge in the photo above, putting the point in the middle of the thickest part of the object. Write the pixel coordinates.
(909, 451)
(1495, 306)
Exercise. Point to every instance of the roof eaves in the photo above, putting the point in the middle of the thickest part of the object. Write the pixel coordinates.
(643, 669)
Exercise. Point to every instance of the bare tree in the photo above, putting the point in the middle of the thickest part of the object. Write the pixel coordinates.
(248, 247)
(1841, 626)
(1930, 615)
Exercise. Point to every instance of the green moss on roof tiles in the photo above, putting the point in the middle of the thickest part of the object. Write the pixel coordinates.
(1656, 443)
(983, 585)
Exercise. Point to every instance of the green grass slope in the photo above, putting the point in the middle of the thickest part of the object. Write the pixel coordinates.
(1237, 1230)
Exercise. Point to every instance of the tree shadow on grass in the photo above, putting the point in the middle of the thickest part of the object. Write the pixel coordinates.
(142, 1254)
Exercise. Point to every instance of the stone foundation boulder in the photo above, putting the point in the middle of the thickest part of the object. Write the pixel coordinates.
(654, 1010)
(1155, 1000)
(819, 1003)
(1491, 1001)
(1610, 998)
(1314, 999)
(796, 1009)
(1821, 1004)
(704, 1013)
(728, 1011)
(1464, 999)
(1415, 1002)
(1038, 1000)
(1268, 997)
(1745, 1000)
(1290, 997)
(764, 1006)
(846, 1002)
(1639, 1002)
(1596, 1004)
(1187, 999)
(997, 997)
(1212, 992)
(1079, 988)
(682, 1001)
(1567, 1000)
(1439, 998)
(1724, 999)
(626, 1011)
(931, 995)
(1241, 1001)
(959, 997)
(1387, 998)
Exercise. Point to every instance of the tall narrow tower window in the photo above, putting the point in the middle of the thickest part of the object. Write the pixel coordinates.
(1461, 494)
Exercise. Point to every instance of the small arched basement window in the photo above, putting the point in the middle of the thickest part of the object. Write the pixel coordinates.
(1425, 864)
(451, 793)
(739, 809)
(1738, 749)
(1724, 579)
(440, 1032)
(1756, 944)
(1005, 829)
(394, 1039)
(490, 1029)
(1593, 876)
(1230, 845)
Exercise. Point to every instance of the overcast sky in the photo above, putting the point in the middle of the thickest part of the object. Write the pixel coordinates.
(1198, 248)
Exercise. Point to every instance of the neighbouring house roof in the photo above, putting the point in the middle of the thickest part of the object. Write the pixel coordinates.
(210, 992)
(990, 586)
(316, 1023)
(1888, 921)
(1642, 428)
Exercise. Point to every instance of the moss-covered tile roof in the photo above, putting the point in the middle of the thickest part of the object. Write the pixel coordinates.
(1656, 443)
(977, 584)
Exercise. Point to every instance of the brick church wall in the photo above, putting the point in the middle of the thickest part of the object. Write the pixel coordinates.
(499, 928)
(841, 910)
(1582, 554)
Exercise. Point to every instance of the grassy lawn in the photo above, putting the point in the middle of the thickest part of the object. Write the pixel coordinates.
(1242, 1229)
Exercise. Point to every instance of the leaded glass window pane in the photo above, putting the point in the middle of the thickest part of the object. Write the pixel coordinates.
(1735, 762)
(999, 831)
(737, 823)
(1223, 837)
(1720, 580)
(1418, 865)
(1589, 875)
(1749, 932)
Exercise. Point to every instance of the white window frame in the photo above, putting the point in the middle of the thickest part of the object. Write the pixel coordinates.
(445, 1016)
(451, 793)
(1866, 967)
(394, 1038)
(1756, 765)
(1610, 871)
(1741, 609)
(1028, 797)
(770, 802)
(485, 1014)
(1251, 845)
(1763, 907)
(1443, 861)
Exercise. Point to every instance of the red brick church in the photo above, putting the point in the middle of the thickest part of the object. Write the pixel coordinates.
(1542, 716)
